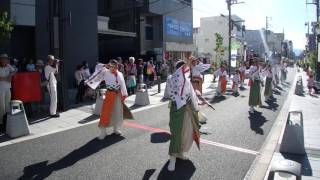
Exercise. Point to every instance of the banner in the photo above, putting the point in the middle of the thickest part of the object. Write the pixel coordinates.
(26, 87)
(96, 78)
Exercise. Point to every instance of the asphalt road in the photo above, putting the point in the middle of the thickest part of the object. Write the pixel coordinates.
(231, 140)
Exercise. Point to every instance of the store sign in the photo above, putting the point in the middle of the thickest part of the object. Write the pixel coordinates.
(178, 28)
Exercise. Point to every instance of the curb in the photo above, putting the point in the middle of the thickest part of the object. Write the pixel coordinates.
(261, 163)
(34, 136)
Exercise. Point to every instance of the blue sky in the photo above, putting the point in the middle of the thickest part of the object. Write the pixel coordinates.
(289, 15)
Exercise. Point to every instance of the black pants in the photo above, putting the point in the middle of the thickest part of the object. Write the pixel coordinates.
(131, 90)
(80, 93)
(4, 123)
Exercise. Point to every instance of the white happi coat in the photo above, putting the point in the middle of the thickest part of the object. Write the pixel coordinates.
(181, 90)
(198, 69)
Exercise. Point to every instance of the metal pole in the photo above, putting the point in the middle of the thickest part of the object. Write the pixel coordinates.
(317, 46)
(229, 46)
(159, 84)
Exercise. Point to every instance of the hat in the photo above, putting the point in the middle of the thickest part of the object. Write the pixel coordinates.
(39, 62)
(4, 56)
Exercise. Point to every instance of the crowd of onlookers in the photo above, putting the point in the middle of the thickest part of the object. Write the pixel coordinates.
(134, 71)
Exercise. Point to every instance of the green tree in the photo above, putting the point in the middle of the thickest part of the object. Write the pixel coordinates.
(219, 49)
(6, 28)
(312, 58)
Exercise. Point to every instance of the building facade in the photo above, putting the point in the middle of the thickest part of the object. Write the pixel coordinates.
(261, 42)
(82, 30)
(205, 39)
(22, 12)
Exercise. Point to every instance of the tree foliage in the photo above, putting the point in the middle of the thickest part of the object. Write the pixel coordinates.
(312, 58)
(6, 26)
(219, 48)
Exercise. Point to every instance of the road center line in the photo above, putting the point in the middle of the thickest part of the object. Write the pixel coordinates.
(204, 141)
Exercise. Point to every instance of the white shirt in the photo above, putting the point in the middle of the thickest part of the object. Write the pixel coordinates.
(198, 69)
(236, 78)
(180, 89)
(49, 72)
(5, 72)
(219, 72)
(78, 76)
(254, 73)
(115, 81)
(86, 73)
(242, 68)
(268, 72)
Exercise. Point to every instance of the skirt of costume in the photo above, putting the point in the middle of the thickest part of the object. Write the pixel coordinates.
(268, 88)
(242, 77)
(197, 83)
(184, 128)
(255, 96)
(234, 86)
(131, 82)
(283, 75)
(222, 85)
(114, 111)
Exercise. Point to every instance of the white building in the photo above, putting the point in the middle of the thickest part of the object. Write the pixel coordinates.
(257, 41)
(205, 40)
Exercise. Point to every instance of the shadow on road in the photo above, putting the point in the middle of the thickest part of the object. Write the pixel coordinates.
(147, 175)
(135, 106)
(256, 121)
(313, 95)
(88, 119)
(160, 137)
(242, 88)
(43, 170)
(184, 171)
(272, 105)
(279, 88)
(217, 99)
(276, 92)
(286, 84)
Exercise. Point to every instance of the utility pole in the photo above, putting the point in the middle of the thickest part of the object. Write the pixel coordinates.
(266, 35)
(229, 4)
(229, 34)
(266, 32)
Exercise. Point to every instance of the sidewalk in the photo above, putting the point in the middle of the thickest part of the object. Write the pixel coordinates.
(309, 105)
(82, 115)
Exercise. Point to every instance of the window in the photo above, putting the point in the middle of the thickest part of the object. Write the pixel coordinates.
(108, 4)
(206, 40)
(149, 33)
(149, 20)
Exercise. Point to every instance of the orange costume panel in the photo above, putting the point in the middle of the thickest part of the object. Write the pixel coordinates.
(197, 83)
(242, 76)
(223, 84)
(107, 108)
